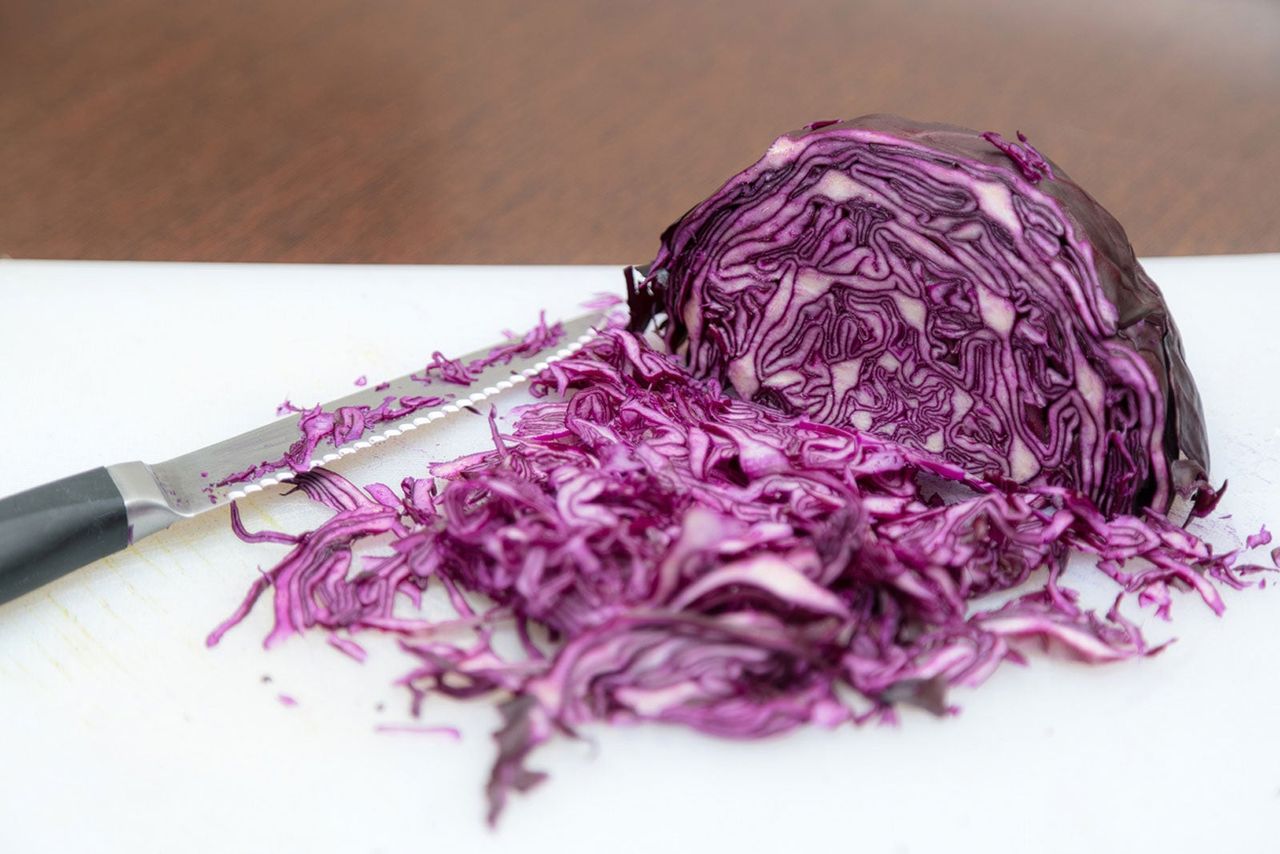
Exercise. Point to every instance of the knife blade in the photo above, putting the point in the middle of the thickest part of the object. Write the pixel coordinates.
(50, 530)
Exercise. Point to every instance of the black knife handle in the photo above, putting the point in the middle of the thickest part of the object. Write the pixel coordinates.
(50, 530)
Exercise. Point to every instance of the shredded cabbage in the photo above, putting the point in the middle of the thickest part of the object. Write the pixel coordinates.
(698, 559)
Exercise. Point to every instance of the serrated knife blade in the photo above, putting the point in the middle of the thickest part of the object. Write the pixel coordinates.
(50, 530)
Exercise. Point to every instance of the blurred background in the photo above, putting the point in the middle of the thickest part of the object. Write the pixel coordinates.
(574, 131)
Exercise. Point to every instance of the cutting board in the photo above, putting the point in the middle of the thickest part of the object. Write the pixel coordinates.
(120, 730)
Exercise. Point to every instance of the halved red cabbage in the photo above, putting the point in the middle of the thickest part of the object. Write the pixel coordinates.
(948, 290)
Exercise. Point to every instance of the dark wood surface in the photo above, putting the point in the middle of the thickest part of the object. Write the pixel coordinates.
(505, 131)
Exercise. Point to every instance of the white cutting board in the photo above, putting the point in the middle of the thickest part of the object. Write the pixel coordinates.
(120, 731)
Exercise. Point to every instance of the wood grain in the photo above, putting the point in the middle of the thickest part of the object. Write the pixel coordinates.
(504, 131)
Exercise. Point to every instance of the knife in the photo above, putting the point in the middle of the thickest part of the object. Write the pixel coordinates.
(51, 530)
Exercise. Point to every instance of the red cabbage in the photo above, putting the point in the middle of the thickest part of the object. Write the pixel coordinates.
(945, 289)
(909, 366)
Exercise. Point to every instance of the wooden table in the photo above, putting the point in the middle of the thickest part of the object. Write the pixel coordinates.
(502, 131)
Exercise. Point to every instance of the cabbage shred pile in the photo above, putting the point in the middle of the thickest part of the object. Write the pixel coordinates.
(668, 552)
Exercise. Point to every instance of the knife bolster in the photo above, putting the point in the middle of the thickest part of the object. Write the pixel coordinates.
(147, 508)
